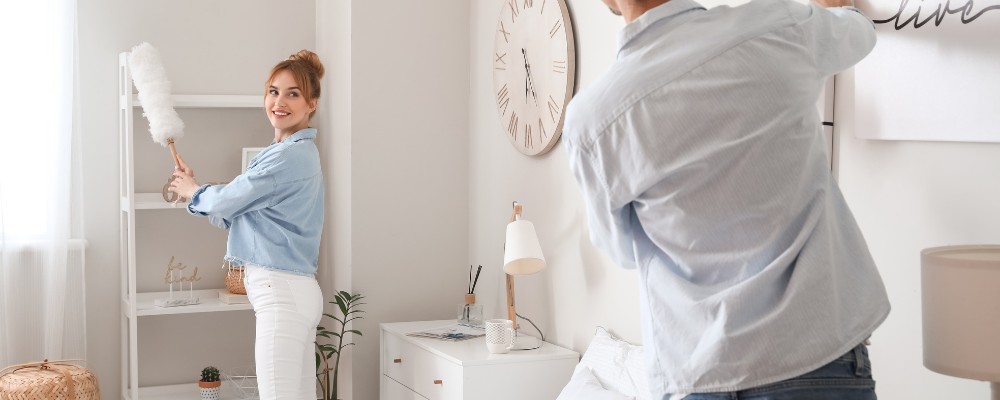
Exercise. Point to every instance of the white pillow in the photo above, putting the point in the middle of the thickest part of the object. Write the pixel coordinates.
(617, 365)
(584, 386)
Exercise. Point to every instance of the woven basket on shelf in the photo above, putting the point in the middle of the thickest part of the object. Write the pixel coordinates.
(234, 280)
(55, 380)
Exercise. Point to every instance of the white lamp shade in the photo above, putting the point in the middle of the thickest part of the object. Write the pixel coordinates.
(961, 311)
(522, 255)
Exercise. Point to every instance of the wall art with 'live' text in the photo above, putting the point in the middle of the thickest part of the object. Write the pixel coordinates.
(934, 74)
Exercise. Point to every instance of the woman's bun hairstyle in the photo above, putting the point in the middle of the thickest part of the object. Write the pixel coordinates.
(310, 58)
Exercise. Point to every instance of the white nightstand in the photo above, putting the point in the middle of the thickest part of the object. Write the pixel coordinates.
(420, 368)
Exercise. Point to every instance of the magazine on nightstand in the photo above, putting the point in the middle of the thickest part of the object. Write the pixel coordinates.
(454, 333)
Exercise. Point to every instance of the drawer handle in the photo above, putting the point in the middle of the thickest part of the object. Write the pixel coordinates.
(397, 360)
(437, 381)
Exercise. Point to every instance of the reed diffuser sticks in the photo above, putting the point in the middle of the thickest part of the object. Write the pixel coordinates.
(472, 282)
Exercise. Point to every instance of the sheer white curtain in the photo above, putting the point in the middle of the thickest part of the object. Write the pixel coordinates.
(41, 253)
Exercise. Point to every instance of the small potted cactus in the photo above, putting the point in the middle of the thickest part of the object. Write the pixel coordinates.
(210, 383)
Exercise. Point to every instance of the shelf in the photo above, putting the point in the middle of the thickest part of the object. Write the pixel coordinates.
(152, 201)
(211, 101)
(209, 303)
(180, 392)
(135, 305)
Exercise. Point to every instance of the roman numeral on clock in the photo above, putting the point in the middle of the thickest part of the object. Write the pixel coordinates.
(555, 29)
(512, 126)
(558, 67)
(503, 100)
(506, 35)
(499, 59)
(554, 109)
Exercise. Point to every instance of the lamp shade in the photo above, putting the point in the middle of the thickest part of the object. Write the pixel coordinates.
(522, 255)
(961, 311)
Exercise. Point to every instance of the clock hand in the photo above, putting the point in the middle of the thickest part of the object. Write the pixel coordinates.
(530, 84)
(526, 91)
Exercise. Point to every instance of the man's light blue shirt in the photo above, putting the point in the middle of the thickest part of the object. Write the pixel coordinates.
(274, 210)
(701, 160)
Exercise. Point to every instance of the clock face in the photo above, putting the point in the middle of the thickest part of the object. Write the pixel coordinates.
(533, 72)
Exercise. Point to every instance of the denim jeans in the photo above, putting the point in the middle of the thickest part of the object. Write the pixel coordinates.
(288, 308)
(846, 378)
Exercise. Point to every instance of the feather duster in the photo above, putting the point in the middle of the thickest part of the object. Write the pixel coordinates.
(151, 81)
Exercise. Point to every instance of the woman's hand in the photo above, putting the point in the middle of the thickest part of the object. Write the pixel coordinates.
(184, 184)
(184, 167)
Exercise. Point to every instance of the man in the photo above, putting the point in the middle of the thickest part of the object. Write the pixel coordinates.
(701, 161)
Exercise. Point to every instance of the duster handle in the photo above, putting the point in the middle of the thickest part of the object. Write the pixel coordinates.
(173, 152)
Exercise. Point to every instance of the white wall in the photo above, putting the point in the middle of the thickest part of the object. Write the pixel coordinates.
(225, 46)
(397, 108)
(580, 289)
(906, 196)
(333, 43)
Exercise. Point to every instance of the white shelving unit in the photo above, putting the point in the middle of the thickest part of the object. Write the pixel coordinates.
(136, 305)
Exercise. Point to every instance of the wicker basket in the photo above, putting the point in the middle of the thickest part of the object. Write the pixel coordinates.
(234, 280)
(56, 380)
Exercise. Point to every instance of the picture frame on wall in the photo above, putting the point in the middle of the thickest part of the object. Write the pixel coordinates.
(248, 154)
(932, 75)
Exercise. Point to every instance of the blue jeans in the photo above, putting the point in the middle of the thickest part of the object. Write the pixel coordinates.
(846, 378)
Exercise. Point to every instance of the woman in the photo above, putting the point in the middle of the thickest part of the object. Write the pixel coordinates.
(274, 213)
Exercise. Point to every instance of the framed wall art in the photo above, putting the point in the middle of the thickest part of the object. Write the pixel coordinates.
(248, 154)
(933, 74)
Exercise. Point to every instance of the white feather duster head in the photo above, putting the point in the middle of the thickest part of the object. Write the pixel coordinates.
(154, 93)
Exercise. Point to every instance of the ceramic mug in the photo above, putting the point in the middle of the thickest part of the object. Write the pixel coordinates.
(499, 335)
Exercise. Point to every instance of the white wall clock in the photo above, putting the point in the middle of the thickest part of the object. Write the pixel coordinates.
(534, 65)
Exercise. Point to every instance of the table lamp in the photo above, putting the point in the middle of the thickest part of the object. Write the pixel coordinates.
(522, 255)
(960, 288)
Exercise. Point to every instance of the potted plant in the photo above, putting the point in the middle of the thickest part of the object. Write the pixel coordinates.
(210, 383)
(348, 304)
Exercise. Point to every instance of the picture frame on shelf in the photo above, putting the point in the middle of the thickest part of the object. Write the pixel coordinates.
(248, 154)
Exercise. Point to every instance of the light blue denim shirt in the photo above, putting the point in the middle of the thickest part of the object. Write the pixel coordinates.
(701, 161)
(274, 210)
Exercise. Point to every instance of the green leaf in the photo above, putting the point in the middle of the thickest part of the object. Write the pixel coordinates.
(349, 305)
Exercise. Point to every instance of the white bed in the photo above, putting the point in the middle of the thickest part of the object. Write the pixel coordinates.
(611, 369)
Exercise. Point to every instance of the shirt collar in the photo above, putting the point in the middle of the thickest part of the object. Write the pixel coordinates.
(307, 133)
(666, 10)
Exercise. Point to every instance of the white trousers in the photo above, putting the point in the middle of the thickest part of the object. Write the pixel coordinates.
(288, 309)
